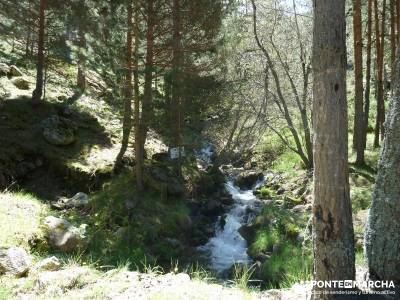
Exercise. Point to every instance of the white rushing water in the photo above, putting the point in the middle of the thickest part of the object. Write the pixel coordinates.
(228, 247)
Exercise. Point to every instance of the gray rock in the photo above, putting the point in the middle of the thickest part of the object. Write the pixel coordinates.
(14, 261)
(48, 264)
(14, 71)
(62, 235)
(302, 208)
(79, 200)
(4, 69)
(21, 83)
(57, 131)
(4, 94)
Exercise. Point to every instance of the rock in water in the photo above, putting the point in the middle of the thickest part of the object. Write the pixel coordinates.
(14, 261)
(246, 180)
(56, 131)
(14, 72)
(21, 83)
(62, 235)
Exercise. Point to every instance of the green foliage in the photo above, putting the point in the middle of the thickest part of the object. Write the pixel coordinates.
(288, 265)
(277, 237)
(287, 162)
(242, 275)
(361, 198)
(118, 234)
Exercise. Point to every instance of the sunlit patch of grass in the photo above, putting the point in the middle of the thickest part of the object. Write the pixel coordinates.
(288, 162)
(21, 215)
(197, 272)
(287, 266)
(242, 275)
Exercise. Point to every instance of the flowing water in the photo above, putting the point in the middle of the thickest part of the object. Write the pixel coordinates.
(228, 247)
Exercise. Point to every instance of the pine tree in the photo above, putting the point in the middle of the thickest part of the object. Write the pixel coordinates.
(333, 235)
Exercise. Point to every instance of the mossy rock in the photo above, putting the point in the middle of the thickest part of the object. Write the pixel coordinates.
(290, 202)
(265, 193)
(21, 83)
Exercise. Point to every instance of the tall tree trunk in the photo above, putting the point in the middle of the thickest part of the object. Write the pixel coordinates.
(380, 45)
(358, 75)
(368, 76)
(127, 122)
(37, 93)
(177, 60)
(333, 235)
(398, 20)
(138, 143)
(382, 238)
(81, 76)
(393, 43)
(148, 79)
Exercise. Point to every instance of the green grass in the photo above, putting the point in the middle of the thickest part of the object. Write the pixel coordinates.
(117, 234)
(289, 260)
(20, 219)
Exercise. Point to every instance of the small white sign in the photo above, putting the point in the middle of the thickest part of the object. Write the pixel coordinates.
(174, 152)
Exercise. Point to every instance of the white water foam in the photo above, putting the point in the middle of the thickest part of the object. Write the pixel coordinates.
(228, 247)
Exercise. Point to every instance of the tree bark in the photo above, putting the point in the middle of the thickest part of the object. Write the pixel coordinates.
(138, 143)
(393, 43)
(38, 91)
(367, 76)
(81, 76)
(380, 47)
(127, 122)
(176, 99)
(333, 235)
(382, 237)
(148, 84)
(358, 76)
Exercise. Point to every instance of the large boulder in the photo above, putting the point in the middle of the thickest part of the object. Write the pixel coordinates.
(4, 69)
(58, 131)
(246, 180)
(62, 235)
(14, 261)
(21, 83)
(14, 72)
(248, 232)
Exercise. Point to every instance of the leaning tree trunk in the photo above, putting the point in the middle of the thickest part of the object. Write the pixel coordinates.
(37, 93)
(358, 75)
(333, 235)
(382, 236)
